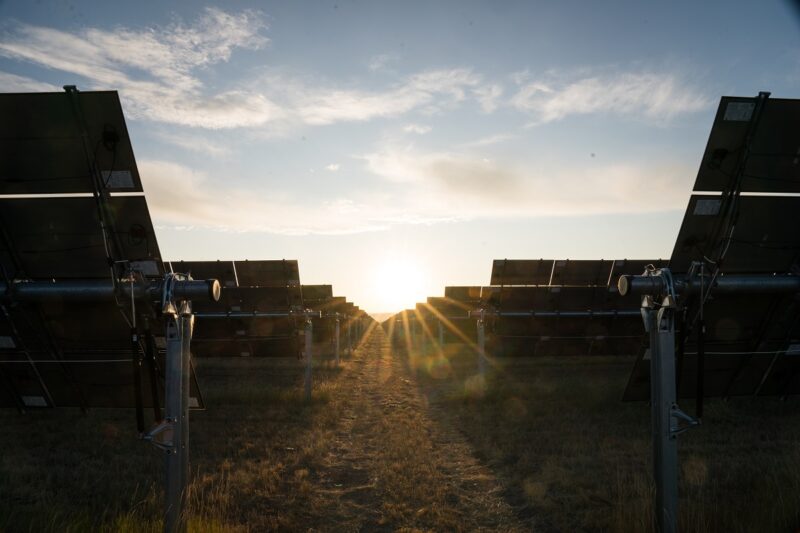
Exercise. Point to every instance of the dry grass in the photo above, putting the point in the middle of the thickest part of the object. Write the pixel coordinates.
(572, 457)
(361, 456)
(397, 443)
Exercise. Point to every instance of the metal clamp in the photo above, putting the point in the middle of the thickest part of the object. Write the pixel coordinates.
(677, 415)
(161, 435)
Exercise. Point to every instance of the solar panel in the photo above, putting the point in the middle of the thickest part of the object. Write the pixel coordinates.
(562, 321)
(268, 273)
(250, 321)
(521, 272)
(463, 293)
(79, 352)
(457, 325)
(317, 293)
(580, 272)
(769, 162)
(765, 237)
(42, 148)
(60, 238)
(747, 337)
(752, 347)
(541, 272)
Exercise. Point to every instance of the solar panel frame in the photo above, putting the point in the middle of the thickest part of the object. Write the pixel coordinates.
(771, 162)
(580, 272)
(521, 271)
(463, 293)
(264, 273)
(43, 151)
(47, 237)
(764, 240)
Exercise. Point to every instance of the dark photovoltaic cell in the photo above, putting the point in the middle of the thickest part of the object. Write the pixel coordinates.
(41, 147)
(456, 323)
(580, 272)
(60, 238)
(64, 353)
(772, 161)
(316, 294)
(618, 334)
(752, 341)
(521, 271)
(79, 353)
(246, 336)
(569, 272)
(256, 336)
(450, 307)
(268, 273)
(765, 238)
(752, 347)
(463, 293)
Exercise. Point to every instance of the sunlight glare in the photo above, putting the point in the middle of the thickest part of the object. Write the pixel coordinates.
(399, 283)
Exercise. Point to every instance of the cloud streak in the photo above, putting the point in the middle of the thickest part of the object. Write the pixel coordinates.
(452, 184)
(155, 68)
(12, 83)
(160, 71)
(182, 197)
(653, 95)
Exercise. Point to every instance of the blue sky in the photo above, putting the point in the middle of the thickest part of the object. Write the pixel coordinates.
(372, 140)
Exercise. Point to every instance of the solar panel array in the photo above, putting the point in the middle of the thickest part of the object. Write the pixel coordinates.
(67, 353)
(90, 315)
(751, 341)
(537, 307)
(259, 313)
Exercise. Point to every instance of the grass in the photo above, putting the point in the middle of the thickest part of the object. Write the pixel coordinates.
(361, 456)
(572, 457)
(64, 470)
(397, 443)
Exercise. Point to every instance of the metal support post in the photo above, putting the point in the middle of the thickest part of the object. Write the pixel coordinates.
(663, 395)
(309, 330)
(666, 416)
(336, 341)
(482, 344)
(349, 340)
(176, 430)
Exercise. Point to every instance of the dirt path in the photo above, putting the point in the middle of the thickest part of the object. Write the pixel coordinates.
(391, 466)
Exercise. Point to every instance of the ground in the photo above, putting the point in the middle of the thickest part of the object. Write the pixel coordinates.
(399, 442)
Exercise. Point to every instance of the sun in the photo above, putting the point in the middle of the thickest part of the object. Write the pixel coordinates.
(399, 282)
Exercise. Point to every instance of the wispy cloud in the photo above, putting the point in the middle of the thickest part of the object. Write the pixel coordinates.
(419, 129)
(194, 143)
(183, 197)
(489, 140)
(380, 61)
(321, 105)
(489, 96)
(158, 71)
(453, 183)
(333, 167)
(12, 83)
(155, 68)
(658, 96)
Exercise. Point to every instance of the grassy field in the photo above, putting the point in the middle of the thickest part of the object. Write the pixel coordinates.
(572, 457)
(397, 443)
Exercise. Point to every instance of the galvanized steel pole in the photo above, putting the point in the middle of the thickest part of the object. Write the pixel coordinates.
(309, 334)
(337, 339)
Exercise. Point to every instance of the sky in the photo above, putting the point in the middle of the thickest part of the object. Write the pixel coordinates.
(394, 148)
